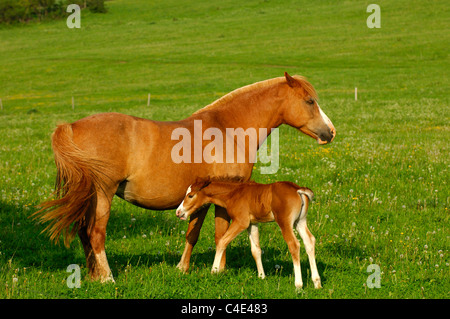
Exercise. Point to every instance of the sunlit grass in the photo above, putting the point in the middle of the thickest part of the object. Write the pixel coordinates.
(381, 188)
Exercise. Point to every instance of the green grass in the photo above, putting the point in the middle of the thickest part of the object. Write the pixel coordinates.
(382, 193)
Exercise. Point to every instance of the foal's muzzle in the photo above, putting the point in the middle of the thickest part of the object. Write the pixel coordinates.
(181, 214)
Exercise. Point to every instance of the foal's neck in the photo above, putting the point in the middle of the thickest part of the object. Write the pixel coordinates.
(220, 192)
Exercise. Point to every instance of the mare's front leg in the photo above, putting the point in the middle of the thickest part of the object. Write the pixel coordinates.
(195, 224)
(253, 235)
(235, 229)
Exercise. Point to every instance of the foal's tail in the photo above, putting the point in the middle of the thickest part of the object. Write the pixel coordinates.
(306, 195)
(77, 182)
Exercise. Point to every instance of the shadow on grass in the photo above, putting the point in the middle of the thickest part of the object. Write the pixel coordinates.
(237, 258)
(23, 245)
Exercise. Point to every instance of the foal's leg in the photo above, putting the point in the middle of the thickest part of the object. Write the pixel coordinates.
(294, 249)
(222, 222)
(234, 230)
(309, 241)
(94, 241)
(195, 224)
(253, 235)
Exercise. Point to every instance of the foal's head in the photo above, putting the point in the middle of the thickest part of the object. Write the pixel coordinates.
(302, 111)
(194, 200)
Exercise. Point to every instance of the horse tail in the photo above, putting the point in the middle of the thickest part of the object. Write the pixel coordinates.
(306, 195)
(77, 183)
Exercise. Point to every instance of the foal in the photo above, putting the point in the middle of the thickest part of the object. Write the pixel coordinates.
(251, 203)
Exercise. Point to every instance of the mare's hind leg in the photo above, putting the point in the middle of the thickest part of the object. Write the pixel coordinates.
(195, 224)
(94, 241)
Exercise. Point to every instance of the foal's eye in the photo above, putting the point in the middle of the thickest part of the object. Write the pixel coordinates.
(310, 101)
(190, 195)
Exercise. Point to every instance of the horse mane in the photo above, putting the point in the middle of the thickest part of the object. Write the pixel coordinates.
(306, 88)
(201, 183)
(225, 178)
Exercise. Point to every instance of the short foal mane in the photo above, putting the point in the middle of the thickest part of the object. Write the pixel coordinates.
(306, 87)
(201, 183)
(226, 179)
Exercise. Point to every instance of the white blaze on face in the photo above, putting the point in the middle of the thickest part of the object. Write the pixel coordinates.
(181, 212)
(327, 122)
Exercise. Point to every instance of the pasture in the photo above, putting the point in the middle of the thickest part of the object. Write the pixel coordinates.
(381, 188)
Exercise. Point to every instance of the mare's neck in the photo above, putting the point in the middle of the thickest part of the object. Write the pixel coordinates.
(255, 106)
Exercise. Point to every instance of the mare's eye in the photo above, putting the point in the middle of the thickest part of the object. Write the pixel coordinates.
(310, 101)
(190, 195)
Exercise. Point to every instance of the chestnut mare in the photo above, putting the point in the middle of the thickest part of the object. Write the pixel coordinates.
(251, 203)
(110, 154)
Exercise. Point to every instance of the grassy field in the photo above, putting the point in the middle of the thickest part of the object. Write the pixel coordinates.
(382, 193)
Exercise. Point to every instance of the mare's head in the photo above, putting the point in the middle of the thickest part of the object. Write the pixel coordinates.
(194, 200)
(301, 110)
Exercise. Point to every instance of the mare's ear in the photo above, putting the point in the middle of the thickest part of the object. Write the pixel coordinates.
(290, 80)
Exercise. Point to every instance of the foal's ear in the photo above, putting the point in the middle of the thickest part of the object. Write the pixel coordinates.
(206, 183)
(290, 80)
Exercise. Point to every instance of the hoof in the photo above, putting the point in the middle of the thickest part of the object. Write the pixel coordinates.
(317, 283)
(299, 287)
(183, 268)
